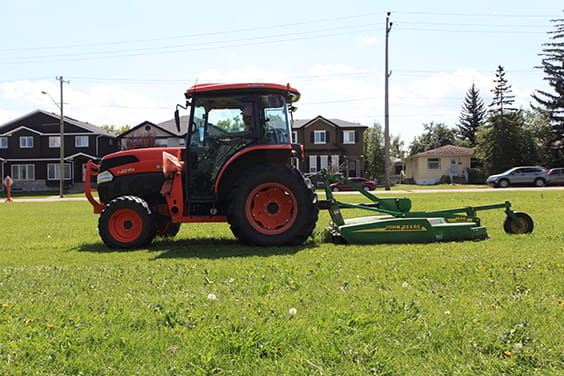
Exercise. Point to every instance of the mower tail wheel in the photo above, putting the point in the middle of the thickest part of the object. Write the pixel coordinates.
(272, 205)
(525, 225)
(126, 222)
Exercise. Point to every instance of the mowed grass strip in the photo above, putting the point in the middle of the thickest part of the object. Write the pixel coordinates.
(203, 304)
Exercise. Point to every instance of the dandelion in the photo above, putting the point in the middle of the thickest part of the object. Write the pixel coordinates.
(508, 353)
(50, 326)
(293, 311)
(5, 305)
(212, 297)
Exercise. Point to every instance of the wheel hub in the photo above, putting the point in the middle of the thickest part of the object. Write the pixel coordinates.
(271, 208)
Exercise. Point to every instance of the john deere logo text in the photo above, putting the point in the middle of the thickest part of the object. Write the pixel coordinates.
(396, 228)
(414, 227)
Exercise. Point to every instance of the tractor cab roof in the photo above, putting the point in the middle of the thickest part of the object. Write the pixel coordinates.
(217, 88)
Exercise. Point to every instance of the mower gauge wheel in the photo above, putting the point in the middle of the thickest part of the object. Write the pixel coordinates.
(526, 224)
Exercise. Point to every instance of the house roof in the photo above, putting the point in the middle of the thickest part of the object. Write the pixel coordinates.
(84, 125)
(301, 123)
(446, 150)
(170, 126)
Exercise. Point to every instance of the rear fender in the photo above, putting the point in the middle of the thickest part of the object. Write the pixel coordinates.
(242, 160)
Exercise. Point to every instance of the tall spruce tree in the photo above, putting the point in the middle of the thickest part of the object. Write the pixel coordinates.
(472, 116)
(503, 141)
(552, 104)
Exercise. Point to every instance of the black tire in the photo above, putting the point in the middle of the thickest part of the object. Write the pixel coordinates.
(511, 227)
(504, 183)
(539, 182)
(126, 222)
(272, 205)
(166, 228)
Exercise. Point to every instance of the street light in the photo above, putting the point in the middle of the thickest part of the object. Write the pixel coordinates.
(61, 137)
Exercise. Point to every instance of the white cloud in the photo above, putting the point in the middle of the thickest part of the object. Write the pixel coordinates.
(99, 105)
(368, 40)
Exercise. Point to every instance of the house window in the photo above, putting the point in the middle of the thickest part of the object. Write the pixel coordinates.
(54, 141)
(3, 142)
(23, 172)
(349, 137)
(81, 141)
(313, 163)
(335, 162)
(294, 138)
(319, 137)
(26, 142)
(433, 163)
(324, 159)
(53, 171)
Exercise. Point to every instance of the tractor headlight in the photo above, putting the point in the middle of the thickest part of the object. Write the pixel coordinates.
(104, 177)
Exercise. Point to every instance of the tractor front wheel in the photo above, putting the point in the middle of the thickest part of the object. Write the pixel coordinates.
(272, 205)
(525, 225)
(126, 222)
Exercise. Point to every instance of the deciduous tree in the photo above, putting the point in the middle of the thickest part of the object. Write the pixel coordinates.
(436, 135)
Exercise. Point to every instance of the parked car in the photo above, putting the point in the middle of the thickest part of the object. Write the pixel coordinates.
(556, 176)
(523, 175)
(361, 182)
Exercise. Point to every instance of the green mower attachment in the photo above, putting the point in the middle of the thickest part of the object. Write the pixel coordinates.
(396, 224)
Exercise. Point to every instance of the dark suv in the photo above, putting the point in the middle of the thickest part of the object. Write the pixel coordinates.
(524, 175)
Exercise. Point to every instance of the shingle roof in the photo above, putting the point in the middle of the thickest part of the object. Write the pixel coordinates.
(87, 126)
(170, 126)
(299, 123)
(446, 150)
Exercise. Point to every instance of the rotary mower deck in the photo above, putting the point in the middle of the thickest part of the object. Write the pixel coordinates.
(396, 224)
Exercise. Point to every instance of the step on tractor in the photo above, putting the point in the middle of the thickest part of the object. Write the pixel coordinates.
(237, 167)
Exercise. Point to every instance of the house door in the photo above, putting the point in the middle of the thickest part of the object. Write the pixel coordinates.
(453, 167)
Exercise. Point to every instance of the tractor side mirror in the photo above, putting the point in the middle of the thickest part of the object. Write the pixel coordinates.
(177, 120)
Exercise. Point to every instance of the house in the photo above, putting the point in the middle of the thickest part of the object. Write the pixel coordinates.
(30, 150)
(332, 144)
(428, 167)
(151, 134)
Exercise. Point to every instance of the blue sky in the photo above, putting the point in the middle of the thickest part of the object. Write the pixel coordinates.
(130, 61)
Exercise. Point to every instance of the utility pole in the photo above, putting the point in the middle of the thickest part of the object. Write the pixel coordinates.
(62, 141)
(387, 74)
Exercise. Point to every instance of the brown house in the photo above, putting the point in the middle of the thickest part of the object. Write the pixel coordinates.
(332, 144)
(30, 150)
(162, 134)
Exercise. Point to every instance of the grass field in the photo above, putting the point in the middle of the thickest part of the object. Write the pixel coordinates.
(203, 304)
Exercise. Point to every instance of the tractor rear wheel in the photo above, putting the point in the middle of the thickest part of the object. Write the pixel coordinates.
(126, 222)
(525, 220)
(272, 205)
(166, 228)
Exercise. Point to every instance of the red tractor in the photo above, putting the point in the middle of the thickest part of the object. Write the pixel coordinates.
(236, 168)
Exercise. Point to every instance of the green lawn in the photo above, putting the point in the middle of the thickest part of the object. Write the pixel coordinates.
(70, 306)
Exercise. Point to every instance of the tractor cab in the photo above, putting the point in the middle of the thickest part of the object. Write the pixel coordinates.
(228, 120)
